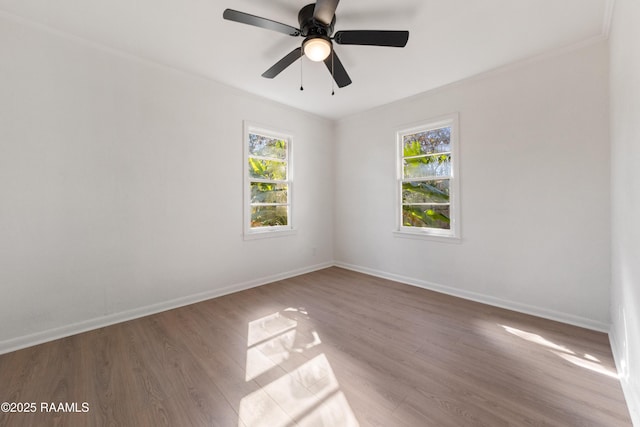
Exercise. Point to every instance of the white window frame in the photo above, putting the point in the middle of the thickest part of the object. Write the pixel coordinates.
(453, 234)
(250, 233)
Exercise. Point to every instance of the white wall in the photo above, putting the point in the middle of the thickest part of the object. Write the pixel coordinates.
(625, 180)
(121, 187)
(534, 187)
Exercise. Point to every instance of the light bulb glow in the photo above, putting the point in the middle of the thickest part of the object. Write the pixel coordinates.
(317, 49)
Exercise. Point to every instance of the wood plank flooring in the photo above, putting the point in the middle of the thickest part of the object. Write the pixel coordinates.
(330, 348)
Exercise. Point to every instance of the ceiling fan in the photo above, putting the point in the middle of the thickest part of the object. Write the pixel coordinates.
(316, 26)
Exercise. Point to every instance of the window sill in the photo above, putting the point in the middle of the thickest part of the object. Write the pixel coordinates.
(422, 235)
(266, 234)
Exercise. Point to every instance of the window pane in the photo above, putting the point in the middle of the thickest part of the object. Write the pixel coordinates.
(267, 169)
(426, 216)
(268, 216)
(268, 193)
(426, 192)
(427, 142)
(426, 166)
(264, 146)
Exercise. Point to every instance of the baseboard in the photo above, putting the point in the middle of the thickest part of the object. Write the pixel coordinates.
(18, 343)
(484, 299)
(630, 395)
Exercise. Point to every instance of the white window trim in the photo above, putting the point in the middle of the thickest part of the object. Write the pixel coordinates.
(452, 235)
(265, 232)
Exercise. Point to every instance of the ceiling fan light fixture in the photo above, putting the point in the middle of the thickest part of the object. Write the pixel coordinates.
(317, 48)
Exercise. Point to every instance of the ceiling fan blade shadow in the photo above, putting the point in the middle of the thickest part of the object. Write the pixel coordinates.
(339, 73)
(285, 6)
(325, 10)
(372, 38)
(379, 15)
(280, 66)
(257, 21)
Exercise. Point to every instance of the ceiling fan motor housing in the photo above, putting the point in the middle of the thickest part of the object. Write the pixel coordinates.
(310, 27)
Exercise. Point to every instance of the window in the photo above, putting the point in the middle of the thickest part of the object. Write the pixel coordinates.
(428, 180)
(267, 189)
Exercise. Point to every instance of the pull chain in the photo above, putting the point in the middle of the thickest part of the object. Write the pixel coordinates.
(333, 79)
(301, 55)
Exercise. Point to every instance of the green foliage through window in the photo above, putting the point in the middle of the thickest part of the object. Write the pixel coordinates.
(268, 165)
(268, 216)
(426, 178)
(427, 142)
(267, 169)
(426, 216)
(264, 192)
(425, 192)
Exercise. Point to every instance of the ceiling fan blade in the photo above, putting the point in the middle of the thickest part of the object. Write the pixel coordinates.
(372, 38)
(257, 21)
(279, 66)
(325, 10)
(339, 73)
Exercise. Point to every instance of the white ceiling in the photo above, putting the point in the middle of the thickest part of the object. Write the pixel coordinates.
(449, 40)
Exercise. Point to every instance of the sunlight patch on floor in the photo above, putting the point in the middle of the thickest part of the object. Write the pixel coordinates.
(272, 339)
(587, 361)
(334, 411)
(309, 395)
(257, 363)
(535, 338)
(268, 327)
(587, 364)
(592, 358)
(259, 409)
(269, 353)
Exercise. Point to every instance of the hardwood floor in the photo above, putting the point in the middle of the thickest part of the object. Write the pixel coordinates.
(330, 348)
